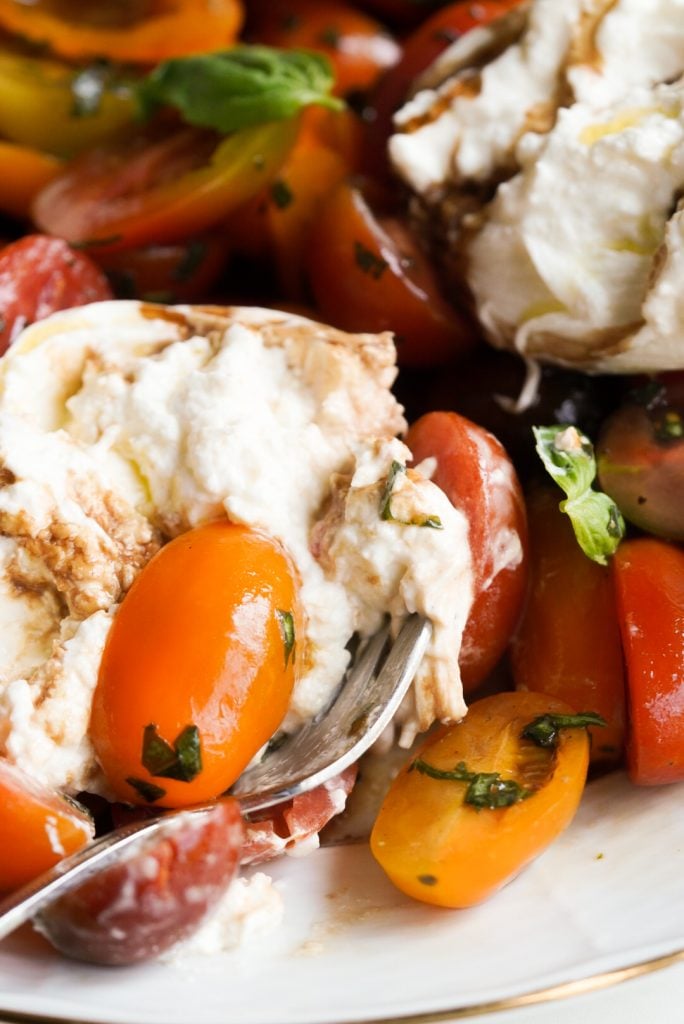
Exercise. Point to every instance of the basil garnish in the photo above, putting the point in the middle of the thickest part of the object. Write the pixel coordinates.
(234, 89)
(182, 761)
(147, 790)
(485, 789)
(544, 730)
(287, 628)
(568, 456)
(434, 522)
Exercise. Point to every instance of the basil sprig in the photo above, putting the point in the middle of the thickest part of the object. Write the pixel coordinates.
(485, 789)
(545, 729)
(233, 89)
(568, 456)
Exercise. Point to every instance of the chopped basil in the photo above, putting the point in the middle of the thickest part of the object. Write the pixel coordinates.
(229, 90)
(568, 456)
(287, 628)
(544, 730)
(431, 521)
(369, 262)
(194, 256)
(485, 789)
(281, 194)
(182, 761)
(427, 879)
(330, 36)
(147, 790)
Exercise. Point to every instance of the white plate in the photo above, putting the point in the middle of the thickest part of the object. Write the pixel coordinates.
(608, 895)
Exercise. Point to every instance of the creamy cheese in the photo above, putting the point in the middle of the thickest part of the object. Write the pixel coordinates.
(146, 422)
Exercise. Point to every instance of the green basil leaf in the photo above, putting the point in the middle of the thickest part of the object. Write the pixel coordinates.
(287, 629)
(544, 730)
(486, 790)
(147, 790)
(568, 456)
(182, 761)
(234, 89)
(431, 521)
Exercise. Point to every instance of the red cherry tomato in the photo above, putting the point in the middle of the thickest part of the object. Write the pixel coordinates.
(368, 273)
(568, 644)
(176, 272)
(477, 476)
(41, 275)
(358, 48)
(649, 584)
(199, 666)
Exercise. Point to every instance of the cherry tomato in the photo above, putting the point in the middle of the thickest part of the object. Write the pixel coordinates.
(358, 47)
(133, 31)
(368, 273)
(40, 275)
(477, 476)
(199, 666)
(568, 644)
(419, 51)
(649, 584)
(160, 186)
(438, 848)
(640, 454)
(38, 827)
(177, 272)
(137, 909)
(23, 173)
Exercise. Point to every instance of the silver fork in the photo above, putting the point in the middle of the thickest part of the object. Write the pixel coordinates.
(364, 704)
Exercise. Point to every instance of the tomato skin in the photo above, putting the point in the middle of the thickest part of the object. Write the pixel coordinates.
(568, 644)
(39, 276)
(198, 641)
(439, 850)
(140, 907)
(23, 173)
(161, 187)
(358, 47)
(177, 272)
(38, 827)
(649, 586)
(369, 274)
(477, 476)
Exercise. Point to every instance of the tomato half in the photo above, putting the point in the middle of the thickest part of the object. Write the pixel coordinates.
(368, 273)
(132, 31)
(568, 644)
(649, 584)
(39, 276)
(199, 666)
(440, 849)
(176, 272)
(23, 173)
(38, 827)
(477, 476)
(161, 186)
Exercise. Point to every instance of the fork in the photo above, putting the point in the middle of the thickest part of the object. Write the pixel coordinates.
(363, 705)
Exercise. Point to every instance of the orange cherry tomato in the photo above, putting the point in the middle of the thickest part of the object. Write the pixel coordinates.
(23, 173)
(649, 584)
(440, 849)
(160, 186)
(135, 31)
(368, 273)
(199, 666)
(358, 47)
(38, 827)
(568, 644)
(477, 476)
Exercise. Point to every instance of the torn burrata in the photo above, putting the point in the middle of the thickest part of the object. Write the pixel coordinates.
(123, 425)
(549, 148)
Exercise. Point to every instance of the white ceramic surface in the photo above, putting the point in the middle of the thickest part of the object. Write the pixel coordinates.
(608, 894)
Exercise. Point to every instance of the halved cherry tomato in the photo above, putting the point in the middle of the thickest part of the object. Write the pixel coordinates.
(41, 275)
(23, 173)
(40, 107)
(368, 273)
(136, 909)
(199, 666)
(649, 584)
(135, 31)
(161, 187)
(358, 47)
(568, 644)
(477, 476)
(419, 51)
(177, 272)
(38, 827)
(439, 849)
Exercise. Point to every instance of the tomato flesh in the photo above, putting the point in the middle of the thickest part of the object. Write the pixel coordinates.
(198, 654)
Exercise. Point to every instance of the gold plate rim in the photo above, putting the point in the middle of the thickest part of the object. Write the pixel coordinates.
(552, 993)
